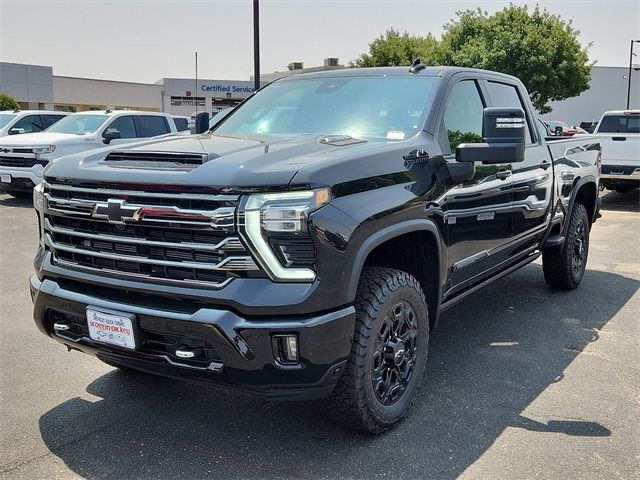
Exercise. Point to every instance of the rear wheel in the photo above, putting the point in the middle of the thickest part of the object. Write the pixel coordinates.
(564, 266)
(388, 354)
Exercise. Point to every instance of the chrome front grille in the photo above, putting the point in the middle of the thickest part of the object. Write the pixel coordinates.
(161, 237)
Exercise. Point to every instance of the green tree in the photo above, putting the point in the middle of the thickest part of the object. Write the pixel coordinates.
(7, 102)
(395, 49)
(539, 48)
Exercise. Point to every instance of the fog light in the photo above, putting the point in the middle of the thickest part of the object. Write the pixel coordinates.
(285, 349)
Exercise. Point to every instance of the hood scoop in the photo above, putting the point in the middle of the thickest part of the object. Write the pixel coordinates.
(339, 140)
(155, 160)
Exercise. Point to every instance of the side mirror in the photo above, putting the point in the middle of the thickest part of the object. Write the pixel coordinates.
(202, 122)
(503, 137)
(558, 131)
(109, 135)
(16, 131)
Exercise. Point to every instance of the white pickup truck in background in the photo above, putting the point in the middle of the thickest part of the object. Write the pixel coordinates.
(619, 135)
(23, 157)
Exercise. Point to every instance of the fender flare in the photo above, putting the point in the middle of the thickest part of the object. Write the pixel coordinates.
(389, 233)
(574, 193)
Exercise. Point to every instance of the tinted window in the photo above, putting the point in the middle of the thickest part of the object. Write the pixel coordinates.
(79, 124)
(503, 95)
(5, 118)
(150, 126)
(50, 119)
(30, 124)
(463, 115)
(123, 125)
(620, 124)
(371, 107)
(182, 124)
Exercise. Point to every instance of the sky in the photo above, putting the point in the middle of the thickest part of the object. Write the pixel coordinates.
(146, 40)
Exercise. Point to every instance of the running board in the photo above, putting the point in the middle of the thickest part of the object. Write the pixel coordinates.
(461, 296)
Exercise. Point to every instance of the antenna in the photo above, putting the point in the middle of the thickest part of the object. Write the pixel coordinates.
(416, 66)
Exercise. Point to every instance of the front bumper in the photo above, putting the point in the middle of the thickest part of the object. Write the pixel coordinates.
(22, 178)
(240, 351)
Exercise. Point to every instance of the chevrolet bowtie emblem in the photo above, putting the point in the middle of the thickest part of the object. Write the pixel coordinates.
(116, 211)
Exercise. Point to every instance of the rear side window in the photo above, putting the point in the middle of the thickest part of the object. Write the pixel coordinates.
(503, 95)
(49, 120)
(463, 115)
(123, 125)
(181, 124)
(620, 124)
(150, 126)
(30, 124)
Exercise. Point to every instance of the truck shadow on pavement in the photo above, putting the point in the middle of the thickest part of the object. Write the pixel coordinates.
(621, 202)
(18, 202)
(491, 357)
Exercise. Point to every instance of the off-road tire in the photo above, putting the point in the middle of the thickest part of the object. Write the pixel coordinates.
(558, 264)
(354, 403)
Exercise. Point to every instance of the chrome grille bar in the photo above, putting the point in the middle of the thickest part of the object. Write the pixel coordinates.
(237, 263)
(229, 243)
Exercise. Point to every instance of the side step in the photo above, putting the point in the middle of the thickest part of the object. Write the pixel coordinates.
(554, 241)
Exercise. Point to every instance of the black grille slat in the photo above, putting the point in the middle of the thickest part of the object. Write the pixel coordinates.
(21, 162)
(147, 250)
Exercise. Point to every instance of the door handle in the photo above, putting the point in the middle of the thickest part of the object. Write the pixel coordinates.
(619, 139)
(545, 164)
(503, 174)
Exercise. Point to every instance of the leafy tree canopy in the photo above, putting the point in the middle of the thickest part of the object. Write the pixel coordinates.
(539, 48)
(396, 49)
(7, 102)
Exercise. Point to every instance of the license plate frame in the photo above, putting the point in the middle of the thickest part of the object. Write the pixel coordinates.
(109, 327)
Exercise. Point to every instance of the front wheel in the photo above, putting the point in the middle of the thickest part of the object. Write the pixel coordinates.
(388, 353)
(564, 266)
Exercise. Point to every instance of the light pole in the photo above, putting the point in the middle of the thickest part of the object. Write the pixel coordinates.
(629, 75)
(256, 45)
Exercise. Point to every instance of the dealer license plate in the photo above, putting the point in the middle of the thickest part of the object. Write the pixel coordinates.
(5, 178)
(111, 329)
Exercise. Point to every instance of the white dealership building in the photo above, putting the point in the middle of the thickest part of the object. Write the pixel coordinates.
(36, 87)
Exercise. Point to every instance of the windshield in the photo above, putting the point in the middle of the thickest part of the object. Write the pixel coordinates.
(5, 118)
(78, 124)
(373, 107)
(620, 124)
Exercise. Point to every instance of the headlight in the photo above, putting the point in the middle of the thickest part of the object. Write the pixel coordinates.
(275, 214)
(38, 204)
(38, 197)
(45, 149)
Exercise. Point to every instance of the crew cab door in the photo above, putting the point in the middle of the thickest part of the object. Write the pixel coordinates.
(532, 179)
(477, 212)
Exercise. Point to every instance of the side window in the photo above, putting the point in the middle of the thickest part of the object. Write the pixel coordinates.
(463, 115)
(49, 120)
(124, 125)
(151, 125)
(181, 124)
(503, 95)
(30, 124)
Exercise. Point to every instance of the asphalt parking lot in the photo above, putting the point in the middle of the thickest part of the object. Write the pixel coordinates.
(522, 382)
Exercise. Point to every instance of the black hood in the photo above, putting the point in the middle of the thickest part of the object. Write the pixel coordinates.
(232, 162)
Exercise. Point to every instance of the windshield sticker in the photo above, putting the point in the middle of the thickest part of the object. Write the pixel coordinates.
(395, 135)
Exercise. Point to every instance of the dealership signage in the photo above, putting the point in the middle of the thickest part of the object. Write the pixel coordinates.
(229, 88)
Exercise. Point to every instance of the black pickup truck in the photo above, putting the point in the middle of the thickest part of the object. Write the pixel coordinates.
(307, 245)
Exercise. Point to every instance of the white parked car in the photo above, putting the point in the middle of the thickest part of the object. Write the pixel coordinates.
(15, 122)
(619, 134)
(23, 158)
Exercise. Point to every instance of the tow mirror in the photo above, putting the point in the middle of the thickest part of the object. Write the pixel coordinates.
(202, 122)
(503, 138)
(109, 135)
